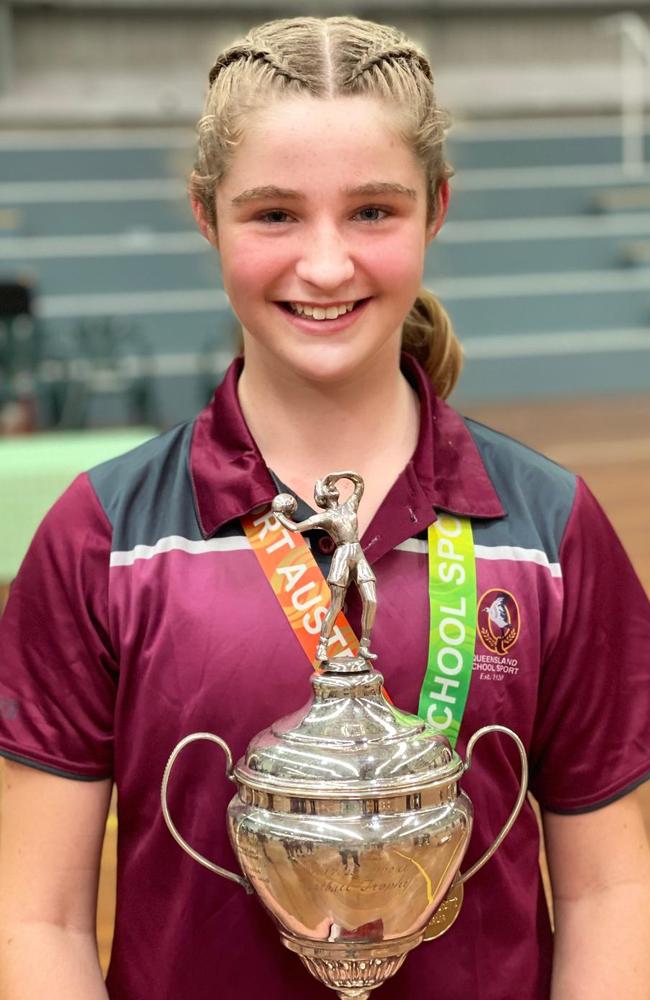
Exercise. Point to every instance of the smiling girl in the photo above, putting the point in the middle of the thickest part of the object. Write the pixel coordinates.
(141, 612)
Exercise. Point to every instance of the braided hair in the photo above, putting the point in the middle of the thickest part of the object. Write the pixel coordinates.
(249, 52)
(405, 53)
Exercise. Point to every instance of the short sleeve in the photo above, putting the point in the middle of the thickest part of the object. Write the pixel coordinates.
(591, 742)
(58, 672)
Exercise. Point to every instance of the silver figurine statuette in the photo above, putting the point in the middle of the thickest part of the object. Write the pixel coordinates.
(339, 520)
(347, 820)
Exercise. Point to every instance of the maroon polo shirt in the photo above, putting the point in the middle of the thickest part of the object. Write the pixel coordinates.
(141, 615)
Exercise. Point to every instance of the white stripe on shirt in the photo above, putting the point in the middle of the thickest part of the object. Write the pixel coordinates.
(235, 543)
(231, 543)
(508, 553)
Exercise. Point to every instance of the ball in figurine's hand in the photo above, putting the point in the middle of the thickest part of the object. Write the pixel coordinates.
(285, 504)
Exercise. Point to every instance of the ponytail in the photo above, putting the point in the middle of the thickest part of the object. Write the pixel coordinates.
(428, 335)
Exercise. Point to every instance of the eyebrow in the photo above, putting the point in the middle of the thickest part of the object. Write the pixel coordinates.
(371, 189)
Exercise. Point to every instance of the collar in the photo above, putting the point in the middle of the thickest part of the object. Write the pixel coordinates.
(230, 478)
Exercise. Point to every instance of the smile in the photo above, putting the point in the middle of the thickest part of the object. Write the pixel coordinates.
(321, 312)
(313, 319)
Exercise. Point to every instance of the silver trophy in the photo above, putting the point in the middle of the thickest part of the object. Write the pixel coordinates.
(347, 820)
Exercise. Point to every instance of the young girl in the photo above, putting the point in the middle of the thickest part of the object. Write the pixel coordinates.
(142, 614)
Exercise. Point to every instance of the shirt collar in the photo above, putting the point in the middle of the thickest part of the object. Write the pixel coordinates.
(230, 478)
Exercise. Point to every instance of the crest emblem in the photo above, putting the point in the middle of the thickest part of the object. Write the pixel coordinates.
(498, 621)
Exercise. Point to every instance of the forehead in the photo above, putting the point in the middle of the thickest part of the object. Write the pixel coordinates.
(323, 144)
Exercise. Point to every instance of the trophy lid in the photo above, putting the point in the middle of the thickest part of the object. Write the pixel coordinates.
(348, 741)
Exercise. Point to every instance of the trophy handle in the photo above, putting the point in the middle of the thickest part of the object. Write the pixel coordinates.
(523, 788)
(168, 820)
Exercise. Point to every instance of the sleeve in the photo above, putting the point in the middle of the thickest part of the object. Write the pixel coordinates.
(591, 742)
(58, 672)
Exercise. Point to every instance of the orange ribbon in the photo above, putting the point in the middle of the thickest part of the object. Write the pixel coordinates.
(298, 584)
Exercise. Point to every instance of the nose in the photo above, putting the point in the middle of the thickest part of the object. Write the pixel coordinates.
(325, 260)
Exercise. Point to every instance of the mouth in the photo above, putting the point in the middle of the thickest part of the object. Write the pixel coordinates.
(330, 317)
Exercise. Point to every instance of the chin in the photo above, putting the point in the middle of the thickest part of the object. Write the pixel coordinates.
(325, 359)
(329, 365)
(356, 354)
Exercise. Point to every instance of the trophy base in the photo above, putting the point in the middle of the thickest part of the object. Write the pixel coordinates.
(346, 665)
(351, 968)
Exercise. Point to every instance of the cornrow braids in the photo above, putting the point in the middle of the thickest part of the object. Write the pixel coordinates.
(391, 55)
(238, 52)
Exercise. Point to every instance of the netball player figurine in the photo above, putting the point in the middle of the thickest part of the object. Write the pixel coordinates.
(339, 520)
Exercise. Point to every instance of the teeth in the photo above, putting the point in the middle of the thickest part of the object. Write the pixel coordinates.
(317, 312)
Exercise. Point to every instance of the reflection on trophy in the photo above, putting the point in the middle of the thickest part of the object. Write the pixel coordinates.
(348, 821)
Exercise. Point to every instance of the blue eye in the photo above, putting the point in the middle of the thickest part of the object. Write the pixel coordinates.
(276, 215)
(370, 214)
(367, 215)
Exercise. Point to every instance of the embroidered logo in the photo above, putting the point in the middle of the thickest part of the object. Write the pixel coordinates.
(498, 621)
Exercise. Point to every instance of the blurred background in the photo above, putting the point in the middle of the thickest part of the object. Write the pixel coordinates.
(113, 320)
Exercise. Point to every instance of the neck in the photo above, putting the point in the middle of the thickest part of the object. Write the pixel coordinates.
(306, 428)
(367, 423)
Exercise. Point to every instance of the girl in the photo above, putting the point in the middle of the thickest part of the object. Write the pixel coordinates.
(141, 612)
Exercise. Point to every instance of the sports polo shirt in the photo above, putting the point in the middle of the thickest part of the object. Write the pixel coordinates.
(141, 615)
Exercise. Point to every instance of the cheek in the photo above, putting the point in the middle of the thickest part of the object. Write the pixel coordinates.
(398, 264)
(249, 265)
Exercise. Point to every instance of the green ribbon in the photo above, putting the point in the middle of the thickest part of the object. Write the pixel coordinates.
(452, 624)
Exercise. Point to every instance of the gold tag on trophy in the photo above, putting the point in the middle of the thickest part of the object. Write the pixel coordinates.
(446, 913)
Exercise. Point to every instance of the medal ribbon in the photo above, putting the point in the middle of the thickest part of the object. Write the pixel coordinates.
(304, 596)
(452, 624)
(298, 584)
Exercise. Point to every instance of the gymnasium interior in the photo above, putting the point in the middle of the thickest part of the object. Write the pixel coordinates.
(113, 319)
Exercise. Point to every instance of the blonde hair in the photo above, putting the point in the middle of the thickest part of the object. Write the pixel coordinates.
(325, 58)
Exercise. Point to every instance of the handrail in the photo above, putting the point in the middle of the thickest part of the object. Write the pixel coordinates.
(635, 55)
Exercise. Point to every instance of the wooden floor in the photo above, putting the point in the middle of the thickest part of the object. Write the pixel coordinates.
(606, 440)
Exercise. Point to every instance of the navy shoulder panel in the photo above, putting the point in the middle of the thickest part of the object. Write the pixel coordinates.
(537, 493)
(147, 492)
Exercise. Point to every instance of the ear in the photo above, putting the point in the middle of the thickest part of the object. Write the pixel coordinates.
(205, 226)
(442, 197)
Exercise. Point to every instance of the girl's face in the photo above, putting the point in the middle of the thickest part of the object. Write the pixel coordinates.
(322, 211)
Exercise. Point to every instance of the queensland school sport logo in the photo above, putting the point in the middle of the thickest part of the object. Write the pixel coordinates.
(498, 621)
